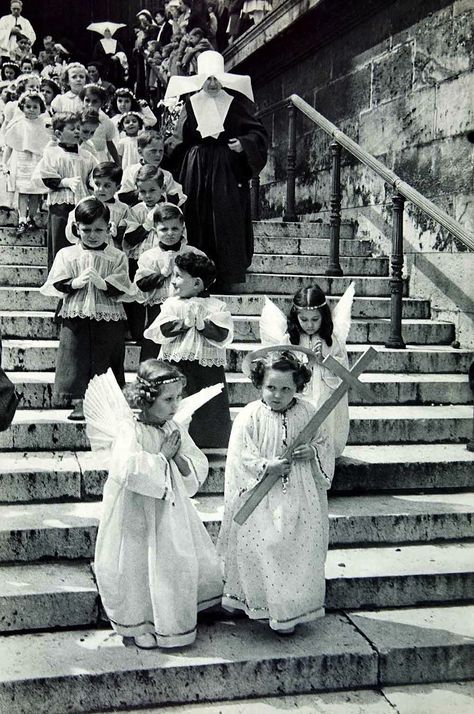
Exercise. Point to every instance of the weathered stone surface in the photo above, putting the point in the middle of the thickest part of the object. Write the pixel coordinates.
(393, 73)
(425, 645)
(24, 255)
(264, 283)
(39, 477)
(86, 670)
(315, 265)
(345, 96)
(23, 275)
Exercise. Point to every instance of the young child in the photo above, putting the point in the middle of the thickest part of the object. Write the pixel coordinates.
(125, 101)
(194, 330)
(105, 181)
(310, 324)
(150, 148)
(90, 277)
(274, 562)
(22, 50)
(49, 89)
(89, 124)
(155, 266)
(155, 564)
(9, 71)
(64, 172)
(127, 146)
(73, 78)
(93, 96)
(25, 138)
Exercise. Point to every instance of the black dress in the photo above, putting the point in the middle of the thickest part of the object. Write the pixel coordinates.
(216, 182)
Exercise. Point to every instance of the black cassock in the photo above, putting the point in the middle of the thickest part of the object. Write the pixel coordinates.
(216, 182)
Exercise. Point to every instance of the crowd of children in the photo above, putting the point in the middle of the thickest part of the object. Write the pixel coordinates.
(119, 264)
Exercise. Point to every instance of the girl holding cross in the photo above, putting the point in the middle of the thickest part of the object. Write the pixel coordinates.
(274, 561)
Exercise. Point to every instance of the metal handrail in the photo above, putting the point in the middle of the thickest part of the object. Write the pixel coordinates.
(391, 178)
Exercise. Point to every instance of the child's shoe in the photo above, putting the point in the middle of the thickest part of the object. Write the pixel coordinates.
(77, 413)
(31, 223)
(145, 642)
(22, 228)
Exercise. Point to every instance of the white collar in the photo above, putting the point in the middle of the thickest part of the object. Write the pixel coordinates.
(210, 112)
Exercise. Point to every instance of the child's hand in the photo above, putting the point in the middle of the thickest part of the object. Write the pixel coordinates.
(304, 452)
(82, 280)
(235, 145)
(318, 351)
(97, 280)
(73, 183)
(171, 445)
(278, 467)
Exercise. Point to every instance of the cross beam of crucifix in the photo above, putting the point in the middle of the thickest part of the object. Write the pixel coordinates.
(349, 379)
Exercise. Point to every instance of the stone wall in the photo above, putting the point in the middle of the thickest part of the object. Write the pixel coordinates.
(399, 82)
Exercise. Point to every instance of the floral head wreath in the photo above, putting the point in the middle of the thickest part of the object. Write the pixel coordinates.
(12, 65)
(75, 65)
(125, 90)
(94, 86)
(309, 307)
(137, 115)
(150, 388)
(31, 94)
(270, 355)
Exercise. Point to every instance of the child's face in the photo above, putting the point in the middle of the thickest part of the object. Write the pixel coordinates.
(310, 321)
(93, 234)
(166, 403)
(105, 189)
(184, 285)
(48, 94)
(9, 73)
(93, 73)
(131, 126)
(278, 389)
(170, 231)
(152, 153)
(124, 104)
(24, 45)
(88, 130)
(71, 134)
(31, 109)
(77, 80)
(32, 84)
(92, 101)
(149, 192)
(26, 67)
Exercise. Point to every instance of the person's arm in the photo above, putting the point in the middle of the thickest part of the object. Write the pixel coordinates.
(150, 282)
(211, 331)
(136, 236)
(173, 328)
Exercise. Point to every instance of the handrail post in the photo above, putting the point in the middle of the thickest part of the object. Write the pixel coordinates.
(255, 198)
(395, 339)
(334, 267)
(289, 214)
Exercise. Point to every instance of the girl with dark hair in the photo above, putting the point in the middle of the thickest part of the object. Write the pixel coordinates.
(274, 562)
(92, 279)
(312, 325)
(155, 563)
(9, 71)
(124, 101)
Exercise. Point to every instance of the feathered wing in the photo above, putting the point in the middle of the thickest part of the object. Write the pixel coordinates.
(192, 403)
(104, 408)
(273, 325)
(341, 315)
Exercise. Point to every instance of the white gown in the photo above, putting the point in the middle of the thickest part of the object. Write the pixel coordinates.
(274, 562)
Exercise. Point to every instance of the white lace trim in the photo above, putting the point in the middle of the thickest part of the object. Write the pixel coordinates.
(178, 356)
(108, 317)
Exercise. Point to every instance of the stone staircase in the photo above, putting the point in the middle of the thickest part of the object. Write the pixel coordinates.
(400, 569)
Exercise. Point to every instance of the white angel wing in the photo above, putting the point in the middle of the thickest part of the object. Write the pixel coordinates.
(190, 404)
(341, 315)
(104, 407)
(272, 325)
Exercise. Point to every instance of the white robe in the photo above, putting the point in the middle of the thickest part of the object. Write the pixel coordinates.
(155, 563)
(274, 562)
(8, 42)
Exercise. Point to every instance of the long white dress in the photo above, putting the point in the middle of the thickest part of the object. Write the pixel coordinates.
(155, 563)
(274, 562)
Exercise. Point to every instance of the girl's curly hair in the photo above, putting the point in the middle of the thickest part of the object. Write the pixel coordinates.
(284, 361)
(124, 92)
(311, 297)
(137, 116)
(34, 96)
(152, 375)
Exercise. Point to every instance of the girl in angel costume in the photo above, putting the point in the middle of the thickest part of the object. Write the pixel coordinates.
(194, 330)
(155, 563)
(274, 562)
(311, 324)
(92, 279)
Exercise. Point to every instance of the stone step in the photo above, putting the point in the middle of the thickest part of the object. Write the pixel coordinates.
(9, 218)
(8, 237)
(32, 532)
(311, 246)
(36, 389)
(284, 284)
(24, 255)
(315, 265)
(86, 670)
(71, 476)
(47, 429)
(23, 275)
(64, 594)
(306, 230)
(18, 324)
(413, 308)
(39, 355)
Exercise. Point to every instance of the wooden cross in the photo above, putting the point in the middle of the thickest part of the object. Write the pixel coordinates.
(349, 379)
